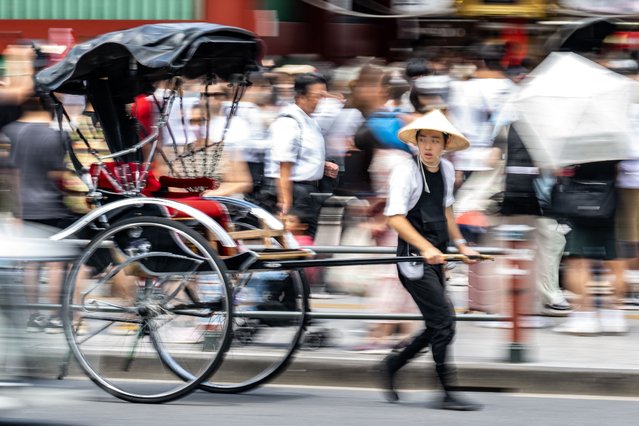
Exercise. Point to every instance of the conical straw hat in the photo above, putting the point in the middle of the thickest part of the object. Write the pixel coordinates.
(434, 120)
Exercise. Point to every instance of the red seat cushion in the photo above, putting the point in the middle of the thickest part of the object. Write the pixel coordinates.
(211, 208)
(192, 185)
(108, 179)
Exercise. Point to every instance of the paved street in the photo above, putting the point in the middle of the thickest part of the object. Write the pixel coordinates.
(555, 363)
(80, 403)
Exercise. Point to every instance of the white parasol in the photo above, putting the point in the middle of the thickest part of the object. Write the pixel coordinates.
(572, 111)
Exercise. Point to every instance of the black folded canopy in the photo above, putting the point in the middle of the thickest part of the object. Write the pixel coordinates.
(112, 69)
(138, 57)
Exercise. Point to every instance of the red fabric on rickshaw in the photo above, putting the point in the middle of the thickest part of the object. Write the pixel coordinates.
(142, 111)
(107, 179)
(197, 184)
(211, 208)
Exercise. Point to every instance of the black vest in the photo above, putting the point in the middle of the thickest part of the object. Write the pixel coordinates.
(428, 215)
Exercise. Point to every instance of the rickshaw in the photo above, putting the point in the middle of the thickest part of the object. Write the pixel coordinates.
(171, 284)
(159, 290)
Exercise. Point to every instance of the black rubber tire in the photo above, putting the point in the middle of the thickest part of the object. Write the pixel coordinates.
(198, 252)
(283, 360)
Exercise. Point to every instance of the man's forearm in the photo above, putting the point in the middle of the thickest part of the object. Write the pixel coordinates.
(453, 230)
(285, 187)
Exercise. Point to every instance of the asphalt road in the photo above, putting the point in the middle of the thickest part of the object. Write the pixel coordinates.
(81, 403)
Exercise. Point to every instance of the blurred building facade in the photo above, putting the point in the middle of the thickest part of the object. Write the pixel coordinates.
(332, 29)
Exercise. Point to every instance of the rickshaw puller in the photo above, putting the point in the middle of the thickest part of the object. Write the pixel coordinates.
(420, 209)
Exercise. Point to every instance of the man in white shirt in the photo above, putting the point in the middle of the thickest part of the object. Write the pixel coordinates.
(296, 161)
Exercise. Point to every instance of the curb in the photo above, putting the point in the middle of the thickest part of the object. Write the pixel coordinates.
(336, 371)
(523, 378)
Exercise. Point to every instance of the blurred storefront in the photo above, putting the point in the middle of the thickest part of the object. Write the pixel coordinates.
(527, 9)
(511, 23)
(396, 29)
(332, 29)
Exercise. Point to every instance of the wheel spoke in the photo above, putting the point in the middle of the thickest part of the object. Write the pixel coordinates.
(144, 313)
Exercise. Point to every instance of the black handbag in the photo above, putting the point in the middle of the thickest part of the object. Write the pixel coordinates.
(584, 199)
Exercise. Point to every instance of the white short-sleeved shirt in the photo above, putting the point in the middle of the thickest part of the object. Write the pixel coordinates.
(307, 155)
(406, 184)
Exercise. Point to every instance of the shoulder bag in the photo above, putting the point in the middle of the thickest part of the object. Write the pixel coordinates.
(583, 199)
(411, 270)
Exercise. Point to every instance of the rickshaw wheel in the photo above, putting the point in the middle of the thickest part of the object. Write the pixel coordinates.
(262, 348)
(252, 362)
(147, 310)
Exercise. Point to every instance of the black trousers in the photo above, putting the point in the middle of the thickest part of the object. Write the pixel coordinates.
(429, 293)
(304, 206)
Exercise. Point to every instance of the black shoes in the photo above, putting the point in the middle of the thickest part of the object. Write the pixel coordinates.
(36, 323)
(387, 377)
(457, 403)
(450, 401)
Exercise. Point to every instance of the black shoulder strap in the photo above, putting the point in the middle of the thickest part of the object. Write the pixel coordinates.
(66, 142)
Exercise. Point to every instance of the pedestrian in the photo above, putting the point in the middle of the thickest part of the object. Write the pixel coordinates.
(296, 162)
(17, 84)
(523, 204)
(208, 158)
(592, 248)
(380, 148)
(474, 104)
(627, 228)
(419, 208)
(37, 154)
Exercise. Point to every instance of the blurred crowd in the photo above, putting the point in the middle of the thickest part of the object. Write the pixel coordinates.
(308, 134)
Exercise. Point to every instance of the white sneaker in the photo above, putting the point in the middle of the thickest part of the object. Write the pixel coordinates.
(557, 308)
(613, 321)
(580, 324)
